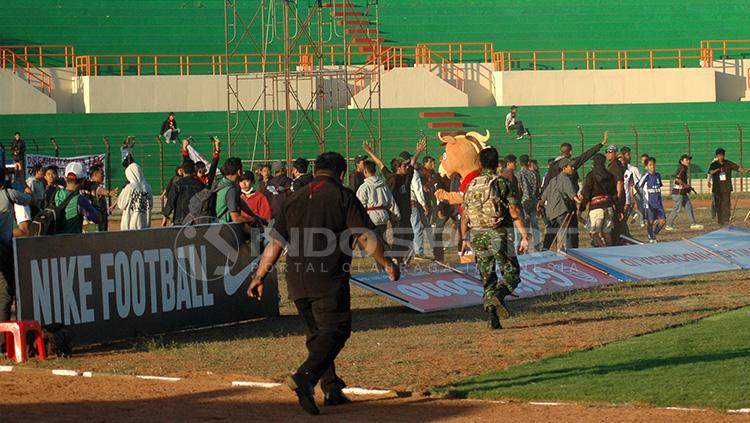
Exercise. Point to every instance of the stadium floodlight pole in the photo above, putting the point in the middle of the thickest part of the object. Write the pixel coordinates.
(287, 87)
(161, 163)
(742, 164)
(229, 104)
(107, 167)
(56, 146)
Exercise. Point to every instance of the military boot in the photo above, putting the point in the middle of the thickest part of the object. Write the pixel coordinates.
(493, 321)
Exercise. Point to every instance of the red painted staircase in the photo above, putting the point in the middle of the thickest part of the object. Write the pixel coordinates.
(441, 124)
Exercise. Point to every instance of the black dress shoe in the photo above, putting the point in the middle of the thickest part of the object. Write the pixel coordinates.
(336, 397)
(493, 321)
(304, 391)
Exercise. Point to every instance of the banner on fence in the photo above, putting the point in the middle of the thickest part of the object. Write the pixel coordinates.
(113, 285)
(61, 162)
(433, 287)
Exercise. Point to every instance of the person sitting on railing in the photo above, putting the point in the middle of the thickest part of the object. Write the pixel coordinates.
(169, 129)
(512, 122)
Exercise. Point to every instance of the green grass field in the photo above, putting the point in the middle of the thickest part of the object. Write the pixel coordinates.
(705, 363)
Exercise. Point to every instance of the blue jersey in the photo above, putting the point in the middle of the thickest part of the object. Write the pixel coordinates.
(650, 187)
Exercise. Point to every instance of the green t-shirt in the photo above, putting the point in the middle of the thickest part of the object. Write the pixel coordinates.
(73, 219)
(225, 200)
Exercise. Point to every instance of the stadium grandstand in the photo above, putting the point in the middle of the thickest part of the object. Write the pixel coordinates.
(98, 60)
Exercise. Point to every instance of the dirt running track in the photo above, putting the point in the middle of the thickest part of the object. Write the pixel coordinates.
(37, 396)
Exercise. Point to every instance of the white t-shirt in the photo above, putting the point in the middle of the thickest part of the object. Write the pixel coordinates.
(631, 177)
(23, 213)
(510, 119)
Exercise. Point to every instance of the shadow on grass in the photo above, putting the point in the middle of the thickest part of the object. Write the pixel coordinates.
(472, 386)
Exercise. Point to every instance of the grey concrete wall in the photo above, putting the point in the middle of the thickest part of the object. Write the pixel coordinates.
(415, 87)
(63, 87)
(730, 87)
(20, 97)
(625, 86)
(127, 94)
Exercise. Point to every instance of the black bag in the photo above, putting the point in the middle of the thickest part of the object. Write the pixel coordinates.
(202, 206)
(51, 220)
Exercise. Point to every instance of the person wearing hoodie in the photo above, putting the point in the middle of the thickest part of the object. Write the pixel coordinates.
(375, 195)
(136, 200)
(599, 190)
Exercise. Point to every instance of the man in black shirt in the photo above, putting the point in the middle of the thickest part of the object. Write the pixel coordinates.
(300, 177)
(681, 194)
(566, 151)
(619, 224)
(177, 206)
(720, 172)
(357, 178)
(319, 283)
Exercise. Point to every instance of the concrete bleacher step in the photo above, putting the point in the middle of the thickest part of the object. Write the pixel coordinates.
(436, 114)
(365, 31)
(338, 5)
(347, 13)
(445, 125)
(354, 22)
(367, 40)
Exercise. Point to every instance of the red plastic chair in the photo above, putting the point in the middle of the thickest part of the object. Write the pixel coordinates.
(15, 339)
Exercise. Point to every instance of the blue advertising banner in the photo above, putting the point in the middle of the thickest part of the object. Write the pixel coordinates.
(434, 286)
(732, 243)
(655, 261)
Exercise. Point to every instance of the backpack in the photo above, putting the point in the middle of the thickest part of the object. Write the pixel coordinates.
(202, 206)
(51, 220)
(482, 205)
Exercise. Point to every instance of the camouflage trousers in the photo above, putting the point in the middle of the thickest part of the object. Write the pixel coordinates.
(495, 246)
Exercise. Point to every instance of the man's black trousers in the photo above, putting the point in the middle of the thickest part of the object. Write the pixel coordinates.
(723, 204)
(328, 324)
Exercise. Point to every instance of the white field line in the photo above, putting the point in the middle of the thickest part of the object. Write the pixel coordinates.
(550, 404)
(684, 409)
(740, 410)
(264, 385)
(6, 368)
(364, 391)
(63, 372)
(87, 374)
(168, 379)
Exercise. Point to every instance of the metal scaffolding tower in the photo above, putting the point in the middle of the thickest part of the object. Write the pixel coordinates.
(292, 68)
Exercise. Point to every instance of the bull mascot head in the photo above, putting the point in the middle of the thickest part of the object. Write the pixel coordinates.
(461, 157)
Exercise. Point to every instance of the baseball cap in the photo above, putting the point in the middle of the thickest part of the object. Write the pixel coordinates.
(359, 158)
(720, 151)
(404, 155)
(564, 162)
(612, 149)
(277, 166)
(75, 170)
(685, 156)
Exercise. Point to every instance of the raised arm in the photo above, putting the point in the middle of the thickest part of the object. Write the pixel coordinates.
(588, 154)
(368, 149)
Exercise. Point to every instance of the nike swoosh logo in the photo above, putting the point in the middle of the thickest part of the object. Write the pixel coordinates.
(233, 282)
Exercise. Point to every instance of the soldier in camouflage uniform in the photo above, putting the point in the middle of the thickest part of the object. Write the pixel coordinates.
(489, 213)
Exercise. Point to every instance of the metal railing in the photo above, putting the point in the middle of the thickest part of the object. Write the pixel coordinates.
(45, 55)
(723, 49)
(32, 74)
(597, 59)
(463, 52)
(182, 64)
(446, 69)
